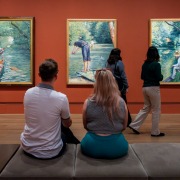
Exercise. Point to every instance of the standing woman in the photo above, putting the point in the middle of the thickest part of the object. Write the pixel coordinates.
(151, 74)
(117, 67)
(104, 117)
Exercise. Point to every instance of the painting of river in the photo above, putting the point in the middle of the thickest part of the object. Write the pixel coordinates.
(165, 35)
(89, 45)
(16, 51)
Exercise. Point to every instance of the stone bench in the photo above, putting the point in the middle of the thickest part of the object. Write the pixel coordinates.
(160, 160)
(144, 161)
(6, 153)
(24, 167)
(128, 167)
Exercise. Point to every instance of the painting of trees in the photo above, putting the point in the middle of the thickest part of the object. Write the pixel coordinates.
(98, 37)
(97, 31)
(165, 35)
(16, 50)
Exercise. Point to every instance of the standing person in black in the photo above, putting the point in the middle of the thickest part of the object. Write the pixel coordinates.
(151, 75)
(116, 65)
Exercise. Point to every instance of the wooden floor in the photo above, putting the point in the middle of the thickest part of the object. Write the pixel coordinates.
(11, 126)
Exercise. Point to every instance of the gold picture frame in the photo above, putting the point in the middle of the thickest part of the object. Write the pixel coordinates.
(165, 35)
(89, 42)
(17, 51)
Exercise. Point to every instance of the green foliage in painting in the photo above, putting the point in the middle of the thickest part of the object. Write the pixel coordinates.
(77, 29)
(96, 31)
(100, 32)
(166, 34)
(166, 37)
(16, 51)
(16, 31)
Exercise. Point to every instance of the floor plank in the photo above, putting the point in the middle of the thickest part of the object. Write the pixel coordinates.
(11, 126)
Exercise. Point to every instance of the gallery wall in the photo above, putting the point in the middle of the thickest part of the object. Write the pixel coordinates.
(50, 41)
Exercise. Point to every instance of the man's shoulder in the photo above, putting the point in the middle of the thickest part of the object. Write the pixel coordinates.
(54, 93)
(59, 95)
(31, 90)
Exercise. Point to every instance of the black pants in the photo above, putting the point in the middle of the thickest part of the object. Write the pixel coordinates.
(67, 137)
(123, 95)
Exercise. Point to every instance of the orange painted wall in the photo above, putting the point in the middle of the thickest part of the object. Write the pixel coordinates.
(50, 41)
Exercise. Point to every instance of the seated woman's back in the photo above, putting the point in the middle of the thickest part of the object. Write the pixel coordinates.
(104, 117)
(98, 121)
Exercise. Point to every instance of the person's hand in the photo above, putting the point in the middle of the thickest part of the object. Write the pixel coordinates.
(70, 123)
(67, 123)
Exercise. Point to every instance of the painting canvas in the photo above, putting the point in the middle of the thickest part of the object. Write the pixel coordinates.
(89, 43)
(165, 35)
(16, 51)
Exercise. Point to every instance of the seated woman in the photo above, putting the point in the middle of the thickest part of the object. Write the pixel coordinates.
(104, 117)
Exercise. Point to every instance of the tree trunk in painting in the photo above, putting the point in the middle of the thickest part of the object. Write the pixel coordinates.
(112, 32)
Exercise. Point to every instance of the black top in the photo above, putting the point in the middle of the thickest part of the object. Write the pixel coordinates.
(151, 73)
(123, 83)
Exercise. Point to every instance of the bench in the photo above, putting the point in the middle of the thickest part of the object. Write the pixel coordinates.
(160, 160)
(154, 161)
(6, 153)
(127, 167)
(24, 167)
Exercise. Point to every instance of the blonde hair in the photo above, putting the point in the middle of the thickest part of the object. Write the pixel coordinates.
(106, 92)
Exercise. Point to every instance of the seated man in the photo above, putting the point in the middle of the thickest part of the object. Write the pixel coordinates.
(47, 117)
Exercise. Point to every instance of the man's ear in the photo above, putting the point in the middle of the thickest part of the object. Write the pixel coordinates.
(39, 74)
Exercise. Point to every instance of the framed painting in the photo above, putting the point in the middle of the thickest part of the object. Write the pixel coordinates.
(165, 35)
(16, 50)
(89, 43)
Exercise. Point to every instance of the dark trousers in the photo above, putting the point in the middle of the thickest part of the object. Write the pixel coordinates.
(67, 137)
(123, 95)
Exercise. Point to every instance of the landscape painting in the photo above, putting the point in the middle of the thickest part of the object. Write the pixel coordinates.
(89, 43)
(165, 35)
(16, 51)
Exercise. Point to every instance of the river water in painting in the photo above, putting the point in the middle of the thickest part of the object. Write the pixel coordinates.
(99, 56)
(16, 65)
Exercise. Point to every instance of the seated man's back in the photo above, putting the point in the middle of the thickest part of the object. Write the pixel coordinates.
(44, 109)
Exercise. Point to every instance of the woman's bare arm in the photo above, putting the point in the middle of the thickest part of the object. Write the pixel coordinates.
(126, 117)
(84, 114)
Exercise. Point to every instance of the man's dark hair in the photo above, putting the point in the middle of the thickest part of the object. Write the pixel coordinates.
(48, 69)
(153, 54)
(114, 56)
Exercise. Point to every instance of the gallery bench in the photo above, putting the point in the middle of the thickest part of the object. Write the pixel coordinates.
(6, 152)
(24, 167)
(144, 161)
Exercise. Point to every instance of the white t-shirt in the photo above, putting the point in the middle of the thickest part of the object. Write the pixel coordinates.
(44, 108)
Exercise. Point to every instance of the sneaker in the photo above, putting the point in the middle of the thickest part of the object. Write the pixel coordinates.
(135, 131)
(159, 135)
